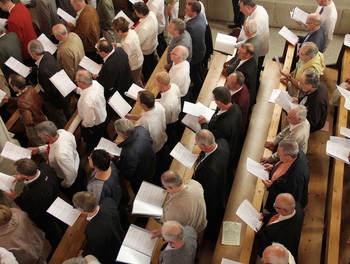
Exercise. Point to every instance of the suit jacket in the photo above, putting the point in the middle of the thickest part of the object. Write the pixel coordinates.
(115, 74)
(47, 68)
(196, 26)
(318, 37)
(242, 98)
(286, 232)
(9, 47)
(295, 181)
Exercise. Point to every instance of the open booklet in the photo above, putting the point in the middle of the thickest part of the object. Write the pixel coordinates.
(122, 14)
(249, 215)
(299, 15)
(63, 211)
(198, 109)
(288, 35)
(337, 151)
(225, 43)
(18, 67)
(63, 83)
(90, 65)
(134, 91)
(231, 233)
(149, 200)
(183, 155)
(119, 105)
(137, 247)
(257, 169)
(67, 17)
(282, 98)
(191, 122)
(13, 152)
(109, 146)
(6, 182)
(48, 45)
(346, 95)
(345, 132)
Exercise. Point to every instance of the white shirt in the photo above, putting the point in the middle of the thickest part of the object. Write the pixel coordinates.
(154, 121)
(157, 7)
(131, 45)
(262, 21)
(63, 157)
(6, 257)
(92, 105)
(329, 18)
(147, 31)
(180, 75)
(171, 102)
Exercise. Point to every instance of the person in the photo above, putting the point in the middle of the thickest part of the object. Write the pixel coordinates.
(186, 203)
(210, 172)
(29, 105)
(251, 31)
(105, 11)
(131, 45)
(239, 95)
(196, 27)
(180, 37)
(87, 27)
(46, 11)
(20, 22)
(20, 236)
(246, 64)
(41, 190)
(137, 160)
(290, 174)
(298, 129)
(104, 180)
(315, 99)
(335, 97)
(238, 16)
(315, 31)
(147, 31)
(56, 106)
(91, 109)
(283, 227)
(62, 155)
(329, 16)
(310, 59)
(181, 243)
(115, 74)
(104, 234)
(277, 254)
(70, 50)
(171, 11)
(89, 259)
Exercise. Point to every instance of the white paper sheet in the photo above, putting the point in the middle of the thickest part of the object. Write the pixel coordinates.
(346, 95)
(337, 151)
(63, 83)
(289, 36)
(198, 109)
(278, 62)
(2, 95)
(90, 65)
(183, 155)
(282, 98)
(249, 215)
(231, 233)
(257, 169)
(192, 122)
(67, 17)
(133, 91)
(63, 211)
(119, 105)
(14, 152)
(229, 261)
(299, 15)
(345, 132)
(225, 43)
(134, 1)
(6, 182)
(344, 142)
(122, 14)
(18, 67)
(347, 40)
(109, 146)
(48, 45)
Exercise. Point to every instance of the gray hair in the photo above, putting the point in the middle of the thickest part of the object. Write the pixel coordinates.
(59, 29)
(85, 201)
(205, 137)
(179, 25)
(290, 147)
(240, 77)
(171, 178)
(183, 52)
(312, 78)
(36, 47)
(301, 111)
(84, 77)
(311, 49)
(251, 26)
(172, 231)
(47, 128)
(124, 126)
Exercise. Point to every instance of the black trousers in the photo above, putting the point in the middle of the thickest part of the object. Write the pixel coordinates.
(92, 135)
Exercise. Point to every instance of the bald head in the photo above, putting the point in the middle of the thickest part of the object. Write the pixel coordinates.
(60, 32)
(181, 52)
(284, 204)
(172, 231)
(275, 254)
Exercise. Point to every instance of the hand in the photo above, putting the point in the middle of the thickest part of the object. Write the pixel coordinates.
(264, 160)
(169, 11)
(5, 99)
(268, 167)
(347, 80)
(267, 183)
(94, 76)
(12, 194)
(35, 151)
(269, 145)
(285, 74)
(294, 100)
(284, 80)
(202, 120)
(156, 233)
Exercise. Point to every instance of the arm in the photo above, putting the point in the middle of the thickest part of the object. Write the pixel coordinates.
(68, 170)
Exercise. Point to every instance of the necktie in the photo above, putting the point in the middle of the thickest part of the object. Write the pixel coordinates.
(48, 152)
(321, 10)
(273, 219)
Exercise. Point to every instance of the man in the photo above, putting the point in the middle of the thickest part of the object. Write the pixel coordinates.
(180, 71)
(277, 254)
(238, 16)
(283, 227)
(245, 63)
(196, 27)
(137, 159)
(315, 99)
(329, 15)
(210, 172)
(115, 74)
(185, 203)
(70, 50)
(298, 129)
(257, 12)
(290, 174)
(54, 102)
(91, 109)
(106, 14)
(104, 234)
(170, 100)
(181, 243)
(180, 36)
(46, 11)
(40, 191)
(147, 30)
(87, 27)
(20, 22)
(62, 156)
(239, 95)
(250, 30)
(315, 31)
(225, 123)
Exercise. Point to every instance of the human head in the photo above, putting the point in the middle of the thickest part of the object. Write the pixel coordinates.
(179, 54)
(323, 2)
(284, 204)
(124, 127)
(313, 21)
(247, 6)
(141, 9)
(172, 232)
(76, 260)
(6, 5)
(250, 28)
(146, 99)
(246, 51)
(163, 81)
(77, 4)
(83, 79)
(205, 140)
(35, 49)
(104, 47)
(99, 159)
(287, 150)
(307, 51)
(46, 130)
(309, 81)
(60, 32)
(297, 114)
(221, 96)
(176, 27)
(5, 214)
(193, 8)
(17, 82)
(85, 202)
(235, 81)
(26, 167)
(171, 181)
(275, 254)
(121, 25)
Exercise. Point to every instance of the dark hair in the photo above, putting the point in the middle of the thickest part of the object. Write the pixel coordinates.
(141, 8)
(222, 94)
(121, 24)
(147, 98)
(18, 81)
(250, 3)
(249, 48)
(100, 159)
(312, 79)
(26, 167)
(195, 6)
(105, 46)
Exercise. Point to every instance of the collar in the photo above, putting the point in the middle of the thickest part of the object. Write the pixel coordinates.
(106, 58)
(11, 8)
(292, 127)
(89, 218)
(285, 217)
(39, 60)
(236, 91)
(21, 92)
(32, 180)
